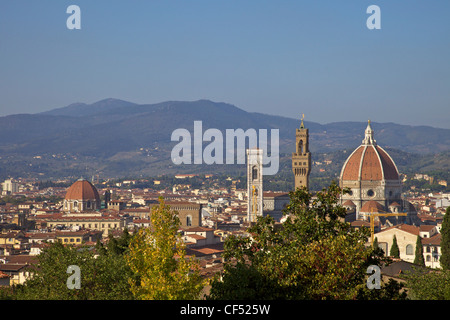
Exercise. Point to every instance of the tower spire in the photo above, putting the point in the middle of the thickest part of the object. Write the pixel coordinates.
(302, 126)
(368, 139)
(301, 158)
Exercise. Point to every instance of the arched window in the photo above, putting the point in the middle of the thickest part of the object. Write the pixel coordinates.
(300, 146)
(188, 221)
(409, 249)
(254, 173)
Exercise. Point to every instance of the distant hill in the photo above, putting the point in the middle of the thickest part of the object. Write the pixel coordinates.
(113, 135)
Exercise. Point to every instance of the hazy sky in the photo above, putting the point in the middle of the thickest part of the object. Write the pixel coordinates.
(272, 56)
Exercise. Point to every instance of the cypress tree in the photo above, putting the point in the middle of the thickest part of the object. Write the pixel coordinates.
(395, 252)
(445, 241)
(419, 252)
(375, 243)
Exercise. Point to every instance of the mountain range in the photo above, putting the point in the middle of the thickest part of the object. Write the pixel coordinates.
(113, 137)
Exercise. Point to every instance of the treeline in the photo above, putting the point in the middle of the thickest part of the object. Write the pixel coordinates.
(314, 255)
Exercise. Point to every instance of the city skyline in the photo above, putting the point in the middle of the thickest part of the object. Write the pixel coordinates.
(284, 58)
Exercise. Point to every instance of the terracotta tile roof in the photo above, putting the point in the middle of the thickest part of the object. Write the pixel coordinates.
(425, 227)
(197, 229)
(405, 227)
(390, 171)
(434, 240)
(372, 206)
(82, 190)
(370, 167)
(351, 167)
(369, 163)
(349, 203)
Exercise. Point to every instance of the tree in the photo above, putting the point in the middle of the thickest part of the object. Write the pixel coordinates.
(426, 284)
(395, 252)
(314, 254)
(157, 255)
(445, 241)
(418, 259)
(102, 278)
(375, 243)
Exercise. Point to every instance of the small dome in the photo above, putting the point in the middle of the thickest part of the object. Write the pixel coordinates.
(394, 204)
(82, 190)
(372, 206)
(349, 203)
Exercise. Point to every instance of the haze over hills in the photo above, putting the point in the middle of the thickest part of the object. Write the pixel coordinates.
(113, 135)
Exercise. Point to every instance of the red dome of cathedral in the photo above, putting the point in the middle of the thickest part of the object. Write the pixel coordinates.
(82, 190)
(369, 162)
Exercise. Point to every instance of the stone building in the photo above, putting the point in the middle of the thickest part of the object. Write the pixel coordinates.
(81, 196)
(275, 203)
(254, 184)
(189, 213)
(301, 158)
(372, 176)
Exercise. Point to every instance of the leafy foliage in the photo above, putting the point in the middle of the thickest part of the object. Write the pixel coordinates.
(395, 251)
(425, 284)
(445, 241)
(103, 277)
(314, 254)
(418, 259)
(157, 256)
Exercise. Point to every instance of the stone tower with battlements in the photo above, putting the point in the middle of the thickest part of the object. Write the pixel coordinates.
(301, 158)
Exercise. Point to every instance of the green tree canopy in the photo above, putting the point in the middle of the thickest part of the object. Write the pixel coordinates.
(418, 259)
(445, 241)
(103, 277)
(157, 255)
(395, 251)
(313, 254)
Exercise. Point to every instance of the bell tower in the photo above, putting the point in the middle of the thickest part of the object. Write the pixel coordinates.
(301, 158)
(254, 184)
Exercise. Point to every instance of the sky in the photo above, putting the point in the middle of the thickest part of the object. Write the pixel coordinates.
(279, 57)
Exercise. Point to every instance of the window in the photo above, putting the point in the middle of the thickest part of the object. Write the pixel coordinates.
(428, 249)
(370, 193)
(409, 249)
(428, 258)
(188, 221)
(300, 146)
(254, 173)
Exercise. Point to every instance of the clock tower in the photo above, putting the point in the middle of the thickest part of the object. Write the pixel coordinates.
(301, 158)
